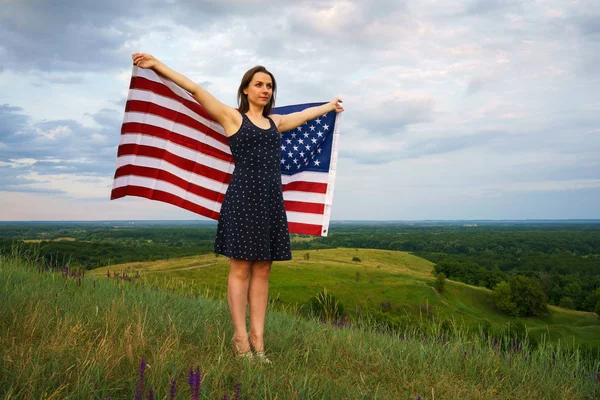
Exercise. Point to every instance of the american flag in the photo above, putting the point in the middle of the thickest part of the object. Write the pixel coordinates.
(172, 150)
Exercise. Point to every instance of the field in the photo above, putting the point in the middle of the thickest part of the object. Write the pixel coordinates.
(398, 281)
(67, 336)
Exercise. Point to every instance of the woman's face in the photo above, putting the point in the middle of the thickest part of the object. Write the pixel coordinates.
(260, 89)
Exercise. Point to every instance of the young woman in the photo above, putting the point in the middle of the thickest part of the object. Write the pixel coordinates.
(252, 229)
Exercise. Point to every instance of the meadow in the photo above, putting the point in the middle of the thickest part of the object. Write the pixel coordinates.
(393, 284)
(65, 335)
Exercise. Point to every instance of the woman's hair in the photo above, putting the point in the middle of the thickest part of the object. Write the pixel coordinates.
(243, 104)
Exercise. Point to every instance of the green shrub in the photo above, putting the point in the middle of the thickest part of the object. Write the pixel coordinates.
(440, 282)
(325, 305)
(566, 302)
(521, 296)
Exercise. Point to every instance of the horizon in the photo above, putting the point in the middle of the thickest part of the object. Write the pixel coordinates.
(408, 221)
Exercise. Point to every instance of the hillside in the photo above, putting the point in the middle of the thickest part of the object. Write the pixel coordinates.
(67, 336)
(394, 281)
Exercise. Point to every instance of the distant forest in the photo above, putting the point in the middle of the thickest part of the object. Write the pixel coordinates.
(565, 258)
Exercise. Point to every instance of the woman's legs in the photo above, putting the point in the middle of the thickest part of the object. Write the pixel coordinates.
(258, 294)
(237, 296)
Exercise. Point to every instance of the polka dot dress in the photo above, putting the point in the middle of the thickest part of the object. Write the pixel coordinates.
(252, 222)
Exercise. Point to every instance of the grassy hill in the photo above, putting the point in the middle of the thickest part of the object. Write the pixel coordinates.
(67, 336)
(397, 282)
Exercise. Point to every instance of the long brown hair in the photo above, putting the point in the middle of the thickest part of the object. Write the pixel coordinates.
(243, 104)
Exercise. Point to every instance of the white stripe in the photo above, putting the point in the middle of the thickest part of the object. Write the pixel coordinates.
(159, 164)
(305, 176)
(178, 150)
(167, 124)
(173, 105)
(153, 76)
(308, 197)
(304, 218)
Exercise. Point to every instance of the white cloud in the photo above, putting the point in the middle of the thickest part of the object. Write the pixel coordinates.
(77, 186)
(54, 132)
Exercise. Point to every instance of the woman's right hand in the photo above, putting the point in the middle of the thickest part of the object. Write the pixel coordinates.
(144, 60)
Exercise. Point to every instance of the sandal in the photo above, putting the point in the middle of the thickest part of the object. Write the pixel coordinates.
(260, 355)
(236, 350)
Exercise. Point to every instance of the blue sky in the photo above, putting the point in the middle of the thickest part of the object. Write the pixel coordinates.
(454, 110)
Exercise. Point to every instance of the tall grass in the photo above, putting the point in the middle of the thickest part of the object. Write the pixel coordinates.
(69, 336)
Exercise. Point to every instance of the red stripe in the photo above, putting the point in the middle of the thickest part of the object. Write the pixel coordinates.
(165, 197)
(305, 207)
(305, 229)
(303, 186)
(165, 176)
(183, 163)
(150, 130)
(174, 116)
(141, 83)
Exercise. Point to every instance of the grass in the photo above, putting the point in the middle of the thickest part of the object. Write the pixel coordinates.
(398, 279)
(63, 337)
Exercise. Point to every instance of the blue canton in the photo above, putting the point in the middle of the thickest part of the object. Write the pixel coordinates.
(307, 147)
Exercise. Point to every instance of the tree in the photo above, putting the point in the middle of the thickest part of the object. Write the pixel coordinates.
(504, 298)
(440, 282)
(566, 302)
(528, 295)
(521, 296)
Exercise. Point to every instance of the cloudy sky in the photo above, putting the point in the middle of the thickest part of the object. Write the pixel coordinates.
(454, 109)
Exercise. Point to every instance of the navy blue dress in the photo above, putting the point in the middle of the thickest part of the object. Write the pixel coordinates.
(252, 222)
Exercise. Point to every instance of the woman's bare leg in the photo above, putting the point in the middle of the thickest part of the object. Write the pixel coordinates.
(237, 298)
(258, 294)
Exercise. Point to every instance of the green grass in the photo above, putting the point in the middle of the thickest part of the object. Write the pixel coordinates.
(62, 340)
(403, 280)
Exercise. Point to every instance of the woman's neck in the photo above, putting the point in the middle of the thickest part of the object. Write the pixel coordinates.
(254, 111)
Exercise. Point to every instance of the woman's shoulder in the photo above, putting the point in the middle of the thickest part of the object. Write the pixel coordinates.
(276, 119)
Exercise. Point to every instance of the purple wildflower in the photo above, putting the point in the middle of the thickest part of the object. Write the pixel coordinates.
(237, 391)
(150, 394)
(195, 382)
(173, 389)
(225, 396)
(419, 397)
(139, 390)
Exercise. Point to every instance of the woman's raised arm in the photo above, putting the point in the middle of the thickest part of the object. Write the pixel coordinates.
(222, 113)
(294, 120)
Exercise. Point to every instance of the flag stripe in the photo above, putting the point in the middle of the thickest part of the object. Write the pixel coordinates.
(179, 162)
(136, 106)
(141, 83)
(186, 134)
(155, 194)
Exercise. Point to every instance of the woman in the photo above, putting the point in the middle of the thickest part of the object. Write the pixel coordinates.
(252, 229)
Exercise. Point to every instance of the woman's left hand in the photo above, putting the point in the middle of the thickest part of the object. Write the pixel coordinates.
(335, 104)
